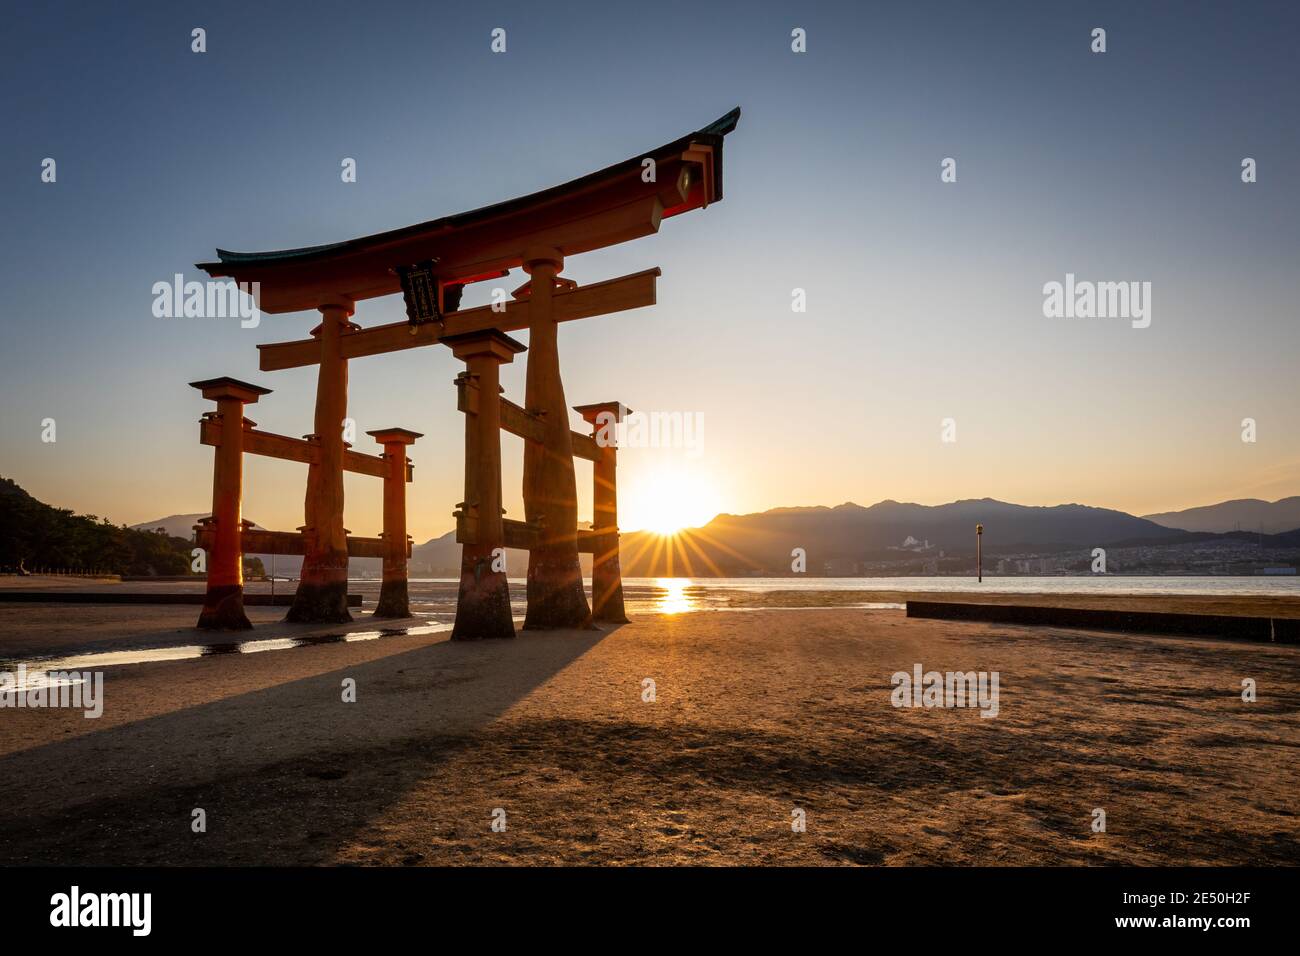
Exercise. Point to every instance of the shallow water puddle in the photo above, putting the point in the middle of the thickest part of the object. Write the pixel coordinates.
(148, 655)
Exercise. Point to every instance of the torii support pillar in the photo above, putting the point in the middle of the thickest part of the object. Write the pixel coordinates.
(223, 607)
(483, 602)
(556, 598)
(394, 599)
(606, 572)
(322, 596)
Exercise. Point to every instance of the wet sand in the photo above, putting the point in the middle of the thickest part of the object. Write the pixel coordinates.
(30, 630)
(756, 714)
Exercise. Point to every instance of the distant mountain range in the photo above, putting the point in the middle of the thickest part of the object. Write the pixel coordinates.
(884, 532)
(177, 526)
(888, 537)
(852, 537)
(1241, 514)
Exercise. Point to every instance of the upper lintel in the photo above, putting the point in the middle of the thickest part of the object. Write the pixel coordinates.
(601, 209)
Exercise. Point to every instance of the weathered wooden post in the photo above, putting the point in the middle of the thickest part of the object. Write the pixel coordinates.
(223, 607)
(483, 602)
(394, 596)
(322, 595)
(556, 598)
(606, 572)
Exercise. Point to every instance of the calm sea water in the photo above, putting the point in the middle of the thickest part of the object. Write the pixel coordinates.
(435, 598)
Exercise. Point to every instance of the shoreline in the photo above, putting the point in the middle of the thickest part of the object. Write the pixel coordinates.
(30, 631)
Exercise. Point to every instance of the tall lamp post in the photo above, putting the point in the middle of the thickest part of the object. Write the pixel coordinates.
(979, 553)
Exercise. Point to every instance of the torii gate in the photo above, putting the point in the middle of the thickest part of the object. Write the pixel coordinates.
(430, 263)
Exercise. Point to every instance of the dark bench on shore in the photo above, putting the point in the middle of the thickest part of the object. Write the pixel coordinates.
(1279, 630)
(57, 596)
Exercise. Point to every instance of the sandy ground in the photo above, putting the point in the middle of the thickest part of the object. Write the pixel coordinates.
(755, 714)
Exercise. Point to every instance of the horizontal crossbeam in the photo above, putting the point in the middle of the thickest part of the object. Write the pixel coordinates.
(584, 446)
(257, 541)
(599, 298)
(521, 534)
(520, 422)
(525, 536)
(270, 445)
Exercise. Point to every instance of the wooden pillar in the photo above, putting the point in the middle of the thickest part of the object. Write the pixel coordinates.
(556, 598)
(606, 572)
(223, 607)
(394, 598)
(483, 602)
(322, 595)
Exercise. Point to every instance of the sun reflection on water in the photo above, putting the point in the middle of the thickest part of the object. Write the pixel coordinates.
(674, 599)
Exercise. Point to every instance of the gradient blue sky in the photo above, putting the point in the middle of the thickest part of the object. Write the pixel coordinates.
(924, 298)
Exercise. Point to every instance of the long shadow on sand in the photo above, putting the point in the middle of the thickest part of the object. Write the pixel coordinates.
(289, 771)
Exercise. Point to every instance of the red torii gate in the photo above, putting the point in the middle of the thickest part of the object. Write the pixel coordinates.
(431, 263)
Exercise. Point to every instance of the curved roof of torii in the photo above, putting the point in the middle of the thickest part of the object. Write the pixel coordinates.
(597, 210)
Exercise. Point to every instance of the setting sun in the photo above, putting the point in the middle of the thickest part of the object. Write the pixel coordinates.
(667, 499)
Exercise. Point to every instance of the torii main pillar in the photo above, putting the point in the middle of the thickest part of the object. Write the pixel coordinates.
(556, 598)
(223, 607)
(322, 595)
(606, 572)
(394, 595)
(483, 602)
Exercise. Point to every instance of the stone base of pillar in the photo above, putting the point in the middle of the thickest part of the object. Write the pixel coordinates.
(483, 604)
(394, 600)
(322, 596)
(320, 604)
(223, 610)
(556, 599)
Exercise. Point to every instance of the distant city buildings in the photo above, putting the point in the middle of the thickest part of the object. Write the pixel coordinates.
(1218, 556)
